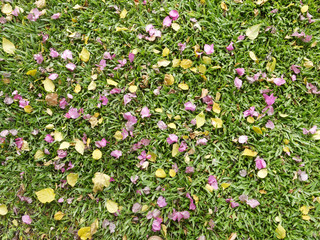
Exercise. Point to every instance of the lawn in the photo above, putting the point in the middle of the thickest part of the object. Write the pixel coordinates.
(176, 119)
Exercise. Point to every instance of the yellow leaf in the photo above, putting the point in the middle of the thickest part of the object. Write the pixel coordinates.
(172, 125)
(163, 63)
(257, 130)
(253, 32)
(183, 86)
(112, 206)
(118, 29)
(224, 6)
(304, 8)
(58, 216)
(176, 62)
(202, 68)
(250, 120)
(216, 122)
(168, 80)
(209, 188)
(262, 173)
(3, 209)
(225, 185)
(250, 153)
(58, 137)
(175, 26)
(280, 232)
(84, 233)
(32, 72)
(172, 173)
(64, 145)
(307, 63)
(316, 136)
(39, 154)
(160, 173)
(206, 60)
(305, 209)
(111, 82)
(77, 89)
(6, 9)
(84, 55)
(118, 136)
(216, 108)
(165, 52)
(92, 86)
(25, 146)
(100, 181)
(48, 85)
(40, 3)
(8, 46)
(133, 89)
(271, 65)
(306, 217)
(253, 57)
(79, 146)
(286, 149)
(153, 156)
(96, 154)
(28, 109)
(186, 63)
(46, 195)
(200, 119)
(123, 13)
(175, 149)
(72, 179)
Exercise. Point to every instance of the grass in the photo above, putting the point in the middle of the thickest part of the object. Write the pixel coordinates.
(295, 108)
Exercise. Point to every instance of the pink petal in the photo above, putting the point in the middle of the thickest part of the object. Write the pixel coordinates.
(167, 21)
(172, 138)
(270, 124)
(208, 49)
(174, 14)
(238, 82)
(26, 219)
(145, 112)
(243, 139)
(189, 106)
(260, 163)
(116, 154)
(253, 203)
(240, 71)
(161, 202)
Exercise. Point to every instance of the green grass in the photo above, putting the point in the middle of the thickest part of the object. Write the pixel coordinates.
(284, 195)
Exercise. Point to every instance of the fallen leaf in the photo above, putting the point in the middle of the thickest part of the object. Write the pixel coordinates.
(32, 72)
(58, 216)
(3, 209)
(163, 63)
(233, 236)
(257, 130)
(46, 195)
(94, 227)
(175, 149)
(168, 80)
(85, 233)
(39, 154)
(123, 13)
(271, 65)
(79, 146)
(28, 109)
(92, 86)
(85, 55)
(186, 63)
(160, 173)
(100, 181)
(183, 86)
(52, 99)
(249, 152)
(48, 85)
(262, 173)
(225, 185)
(172, 173)
(77, 88)
(8, 46)
(96, 154)
(280, 232)
(253, 31)
(216, 122)
(224, 6)
(6, 9)
(112, 206)
(175, 26)
(253, 57)
(200, 120)
(216, 108)
(72, 179)
(304, 8)
(40, 3)
(165, 52)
